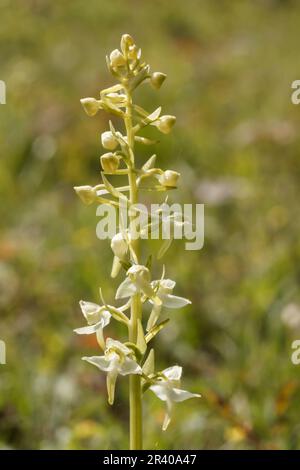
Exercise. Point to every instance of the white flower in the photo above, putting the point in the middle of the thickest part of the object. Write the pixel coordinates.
(168, 389)
(169, 178)
(108, 141)
(138, 280)
(116, 58)
(115, 361)
(164, 292)
(97, 317)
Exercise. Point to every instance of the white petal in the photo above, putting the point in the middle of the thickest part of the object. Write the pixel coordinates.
(173, 373)
(125, 289)
(105, 318)
(172, 301)
(113, 343)
(99, 361)
(88, 330)
(161, 391)
(91, 311)
(178, 395)
(167, 419)
(129, 366)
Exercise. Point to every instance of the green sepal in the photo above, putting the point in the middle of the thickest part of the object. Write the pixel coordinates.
(156, 329)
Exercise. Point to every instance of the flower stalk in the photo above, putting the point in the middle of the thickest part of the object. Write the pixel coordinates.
(132, 356)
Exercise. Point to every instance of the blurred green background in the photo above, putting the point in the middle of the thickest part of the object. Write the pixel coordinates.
(230, 66)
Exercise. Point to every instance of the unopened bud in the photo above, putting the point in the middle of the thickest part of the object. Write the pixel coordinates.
(165, 123)
(109, 162)
(119, 245)
(90, 105)
(126, 42)
(132, 52)
(157, 79)
(116, 58)
(169, 178)
(87, 194)
(108, 140)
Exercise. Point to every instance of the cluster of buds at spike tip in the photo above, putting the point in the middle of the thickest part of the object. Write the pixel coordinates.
(137, 286)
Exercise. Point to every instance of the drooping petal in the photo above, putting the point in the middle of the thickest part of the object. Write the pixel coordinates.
(154, 316)
(129, 366)
(126, 289)
(173, 301)
(167, 418)
(111, 385)
(178, 395)
(100, 361)
(100, 338)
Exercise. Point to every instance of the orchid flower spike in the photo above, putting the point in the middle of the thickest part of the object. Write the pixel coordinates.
(116, 360)
(168, 389)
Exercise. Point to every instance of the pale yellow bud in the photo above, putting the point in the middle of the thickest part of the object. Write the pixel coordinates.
(119, 245)
(109, 162)
(165, 123)
(87, 194)
(169, 178)
(126, 42)
(108, 140)
(117, 59)
(90, 105)
(132, 52)
(157, 79)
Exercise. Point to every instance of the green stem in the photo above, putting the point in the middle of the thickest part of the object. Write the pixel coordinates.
(135, 389)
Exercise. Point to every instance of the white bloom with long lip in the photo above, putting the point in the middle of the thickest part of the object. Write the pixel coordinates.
(97, 317)
(116, 360)
(168, 389)
(168, 300)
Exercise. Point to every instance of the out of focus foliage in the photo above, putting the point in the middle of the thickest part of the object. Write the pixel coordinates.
(230, 65)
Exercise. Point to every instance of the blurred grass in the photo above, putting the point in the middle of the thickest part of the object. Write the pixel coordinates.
(230, 65)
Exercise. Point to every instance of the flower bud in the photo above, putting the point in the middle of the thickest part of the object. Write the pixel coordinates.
(126, 42)
(165, 123)
(119, 245)
(87, 194)
(90, 105)
(169, 178)
(117, 59)
(109, 162)
(132, 52)
(157, 79)
(108, 140)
